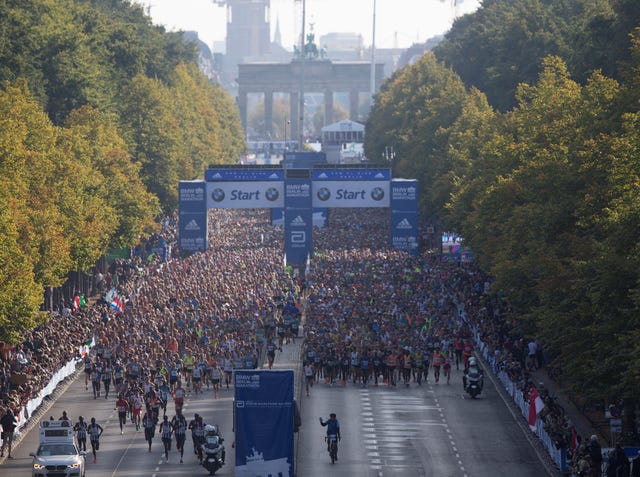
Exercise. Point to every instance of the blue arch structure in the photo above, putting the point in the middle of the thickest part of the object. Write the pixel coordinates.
(298, 191)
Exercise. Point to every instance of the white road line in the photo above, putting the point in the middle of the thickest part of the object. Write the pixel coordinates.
(126, 450)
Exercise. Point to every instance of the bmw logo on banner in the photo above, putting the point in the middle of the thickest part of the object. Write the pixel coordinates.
(350, 187)
(293, 194)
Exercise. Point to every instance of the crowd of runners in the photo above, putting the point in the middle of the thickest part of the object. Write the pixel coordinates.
(373, 317)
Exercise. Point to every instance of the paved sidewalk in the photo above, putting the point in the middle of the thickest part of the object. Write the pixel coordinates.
(584, 427)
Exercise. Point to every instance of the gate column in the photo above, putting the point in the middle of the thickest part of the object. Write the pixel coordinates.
(294, 99)
(354, 104)
(328, 107)
(242, 106)
(268, 113)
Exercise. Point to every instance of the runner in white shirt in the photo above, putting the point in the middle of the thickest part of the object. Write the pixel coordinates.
(216, 376)
(228, 369)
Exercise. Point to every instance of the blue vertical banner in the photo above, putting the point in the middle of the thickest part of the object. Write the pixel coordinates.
(277, 217)
(192, 216)
(404, 215)
(298, 217)
(264, 423)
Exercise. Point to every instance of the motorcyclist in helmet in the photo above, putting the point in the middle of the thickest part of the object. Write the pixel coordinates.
(213, 441)
(473, 371)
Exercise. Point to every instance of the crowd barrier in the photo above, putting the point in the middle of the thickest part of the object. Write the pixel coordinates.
(559, 456)
(27, 410)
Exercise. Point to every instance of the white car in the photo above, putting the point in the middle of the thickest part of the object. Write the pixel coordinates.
(58, 460)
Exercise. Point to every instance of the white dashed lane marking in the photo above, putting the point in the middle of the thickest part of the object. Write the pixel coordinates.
(387, 439)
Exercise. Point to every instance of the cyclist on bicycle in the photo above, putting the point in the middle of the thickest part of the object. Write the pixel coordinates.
(333, 429)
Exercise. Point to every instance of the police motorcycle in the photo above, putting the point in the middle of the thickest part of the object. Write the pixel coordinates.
(213, 452)
(473, 378)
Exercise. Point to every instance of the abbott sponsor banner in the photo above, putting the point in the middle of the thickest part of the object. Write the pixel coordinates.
(245, 195)
(264, 423)
(298, 221)
(192, 218)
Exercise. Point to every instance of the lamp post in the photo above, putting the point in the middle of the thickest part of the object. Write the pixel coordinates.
(286, 122)
(389, 155)
(372, 77)
(303, 58)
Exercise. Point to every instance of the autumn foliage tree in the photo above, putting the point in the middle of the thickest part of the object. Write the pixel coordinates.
(101, 114)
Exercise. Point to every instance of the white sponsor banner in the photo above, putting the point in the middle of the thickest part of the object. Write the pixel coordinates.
(351, 194)
(245, 195)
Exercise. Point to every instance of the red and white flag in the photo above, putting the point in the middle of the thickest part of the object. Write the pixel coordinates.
(535, 406)
(574, 438)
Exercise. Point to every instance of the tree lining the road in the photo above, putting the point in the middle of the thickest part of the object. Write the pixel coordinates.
(102, 113)
(547, 195)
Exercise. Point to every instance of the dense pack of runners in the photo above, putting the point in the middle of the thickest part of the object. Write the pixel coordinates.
(374, 316)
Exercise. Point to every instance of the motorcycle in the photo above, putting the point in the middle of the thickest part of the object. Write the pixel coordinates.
(474, 384)
(213, 452)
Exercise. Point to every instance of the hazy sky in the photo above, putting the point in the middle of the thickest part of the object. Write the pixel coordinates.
(398, 22)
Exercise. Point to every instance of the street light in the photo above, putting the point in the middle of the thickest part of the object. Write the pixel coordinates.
(372, 73)
(286, 122)
(389, 155)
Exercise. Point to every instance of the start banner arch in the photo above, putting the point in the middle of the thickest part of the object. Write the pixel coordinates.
(297, 191)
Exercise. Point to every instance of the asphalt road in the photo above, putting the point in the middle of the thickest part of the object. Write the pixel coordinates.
(428, 430)
(127, 455)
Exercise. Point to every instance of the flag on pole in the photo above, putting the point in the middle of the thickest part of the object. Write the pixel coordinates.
(535, 407)
(574, 438)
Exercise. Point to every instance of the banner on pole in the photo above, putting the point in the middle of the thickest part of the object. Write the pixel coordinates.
(264, 423)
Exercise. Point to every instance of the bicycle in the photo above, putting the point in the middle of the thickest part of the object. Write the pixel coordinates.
(332, 447)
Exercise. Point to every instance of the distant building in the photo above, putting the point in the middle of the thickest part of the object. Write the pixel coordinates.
(248, 43)
(248, 29)
(342, 141)
(343, 46)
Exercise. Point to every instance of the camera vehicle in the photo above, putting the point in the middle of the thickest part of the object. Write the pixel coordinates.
(57, 454)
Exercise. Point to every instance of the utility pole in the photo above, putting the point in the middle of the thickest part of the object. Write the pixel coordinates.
(303, 59)
(372, 78)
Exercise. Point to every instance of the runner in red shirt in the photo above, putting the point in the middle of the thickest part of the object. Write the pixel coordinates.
(122, 406)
